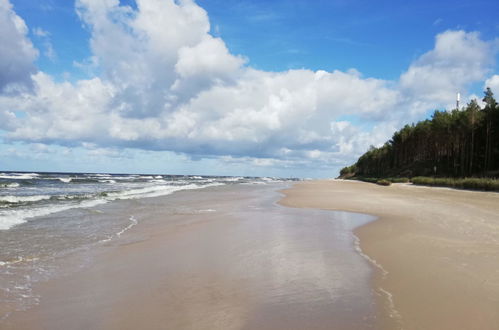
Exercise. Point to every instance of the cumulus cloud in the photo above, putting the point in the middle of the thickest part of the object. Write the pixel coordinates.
(167, 84)
(158, 55)
(493, 83)
(458, 60)
(62, 113)
(16, 51)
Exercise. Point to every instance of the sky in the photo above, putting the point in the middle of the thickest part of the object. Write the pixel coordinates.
(286, 88)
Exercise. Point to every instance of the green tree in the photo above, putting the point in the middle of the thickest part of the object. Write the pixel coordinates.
(490, 106)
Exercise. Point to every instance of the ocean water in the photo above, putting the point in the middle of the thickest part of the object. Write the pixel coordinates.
(46, 216)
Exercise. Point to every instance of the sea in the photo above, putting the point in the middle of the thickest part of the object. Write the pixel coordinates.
(47, 216)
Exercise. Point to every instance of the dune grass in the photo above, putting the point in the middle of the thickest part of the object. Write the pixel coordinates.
(460, 183)
(486, 184)
(383, 182)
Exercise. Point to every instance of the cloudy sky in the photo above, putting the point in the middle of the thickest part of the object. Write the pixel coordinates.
(262, 88)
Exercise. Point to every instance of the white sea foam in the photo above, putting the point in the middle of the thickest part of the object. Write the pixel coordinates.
(18, 260)
(393, 312)
(81, 196)
(20, 199)
(389, 297)
(65, 180)
(9, 185)
(233, 179)
(158, 181)
(19, 176)
(132, 223)
(373, 261)
(10, 218)
(107, 181)
(155, 191)
(206, 180)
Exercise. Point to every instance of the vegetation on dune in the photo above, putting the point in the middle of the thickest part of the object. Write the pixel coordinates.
(457, 149)
(383, 182)
(461, 183)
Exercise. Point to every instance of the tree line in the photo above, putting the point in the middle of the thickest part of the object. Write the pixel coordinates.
(459, 143)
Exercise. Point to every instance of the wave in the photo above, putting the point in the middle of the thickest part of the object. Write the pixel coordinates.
(65, 180)
(100, 178)
(155, 191)
(19, 176)
(206, 180)
(9, 185)
(10, 218)
(11, 199)
(233, 179)
(85, 180)
(76, 196)
(15, 216)
(21, 199)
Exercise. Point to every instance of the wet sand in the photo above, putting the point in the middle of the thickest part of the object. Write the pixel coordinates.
(217, 258)
(437, 249)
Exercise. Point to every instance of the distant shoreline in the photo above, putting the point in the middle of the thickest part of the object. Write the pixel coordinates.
(438, 248)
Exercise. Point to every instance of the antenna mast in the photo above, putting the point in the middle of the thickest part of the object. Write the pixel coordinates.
(458, 98)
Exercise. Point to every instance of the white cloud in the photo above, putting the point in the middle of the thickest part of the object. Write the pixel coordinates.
(44, 35)
(39, 32)
(167, 84)
(458, 60)
(62, 112)
(438, 21)
(493, 83)
(16, 51)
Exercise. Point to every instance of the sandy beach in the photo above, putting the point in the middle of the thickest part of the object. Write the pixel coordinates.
(437, 249)
(233, 258)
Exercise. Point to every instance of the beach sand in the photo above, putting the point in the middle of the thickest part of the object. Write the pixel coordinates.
(437, 249)
(217, 258)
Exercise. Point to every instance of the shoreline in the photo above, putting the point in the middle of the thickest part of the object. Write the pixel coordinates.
(227, 257)
(439, 248)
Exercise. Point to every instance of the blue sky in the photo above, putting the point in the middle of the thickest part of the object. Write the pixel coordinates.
(264, 88)
(378, 38)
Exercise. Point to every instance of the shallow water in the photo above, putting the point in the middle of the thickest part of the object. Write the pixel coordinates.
(26, 196)
(232, 258)
(46, 216)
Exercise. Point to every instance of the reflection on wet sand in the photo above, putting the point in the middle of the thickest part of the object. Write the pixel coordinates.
(247, 264)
